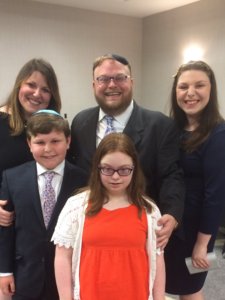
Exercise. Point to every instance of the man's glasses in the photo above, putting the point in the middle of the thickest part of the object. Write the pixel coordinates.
(120, 78)
(125, 171)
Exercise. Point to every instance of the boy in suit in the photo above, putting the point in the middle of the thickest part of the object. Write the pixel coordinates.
(26, 253)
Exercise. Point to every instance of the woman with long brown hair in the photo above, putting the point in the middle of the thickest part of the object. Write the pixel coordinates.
(194, 107)
(35, 88)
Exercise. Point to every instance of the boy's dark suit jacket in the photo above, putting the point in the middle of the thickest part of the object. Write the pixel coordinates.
(25, 247)
(156, 141)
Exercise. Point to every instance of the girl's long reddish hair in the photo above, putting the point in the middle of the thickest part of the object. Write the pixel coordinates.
(115, 142)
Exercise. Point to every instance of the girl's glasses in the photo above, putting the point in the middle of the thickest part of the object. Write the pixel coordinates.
(125, 171)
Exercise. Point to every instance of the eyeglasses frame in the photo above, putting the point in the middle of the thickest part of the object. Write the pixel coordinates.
(100, 168)
(110, 78)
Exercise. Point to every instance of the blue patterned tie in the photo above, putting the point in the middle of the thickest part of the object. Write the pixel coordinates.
(48, 197)
(110, 128)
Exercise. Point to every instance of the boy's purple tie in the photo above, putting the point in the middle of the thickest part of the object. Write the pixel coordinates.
(110, 128)
(48, 196)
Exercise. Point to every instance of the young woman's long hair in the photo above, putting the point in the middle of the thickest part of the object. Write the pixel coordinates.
(210, 115)
(98, 195)
(13, 106)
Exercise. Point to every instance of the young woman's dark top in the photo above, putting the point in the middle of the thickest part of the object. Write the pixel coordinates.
(204, 171)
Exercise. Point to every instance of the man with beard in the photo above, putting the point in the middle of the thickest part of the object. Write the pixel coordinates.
(154, 135)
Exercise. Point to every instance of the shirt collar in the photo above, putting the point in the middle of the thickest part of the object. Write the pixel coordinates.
(58, 169)
(122, 118)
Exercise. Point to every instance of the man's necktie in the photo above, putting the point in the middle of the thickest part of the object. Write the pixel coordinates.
(110, 128)
(48, 197)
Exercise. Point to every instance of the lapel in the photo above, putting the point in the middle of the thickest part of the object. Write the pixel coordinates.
(86, 139)
(89, 130)
(135, 126)
(67, 187)
(33, 192)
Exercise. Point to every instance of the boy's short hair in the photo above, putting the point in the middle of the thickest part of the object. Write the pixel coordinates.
(44, 123)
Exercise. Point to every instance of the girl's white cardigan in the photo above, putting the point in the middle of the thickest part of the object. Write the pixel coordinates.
(69, 230)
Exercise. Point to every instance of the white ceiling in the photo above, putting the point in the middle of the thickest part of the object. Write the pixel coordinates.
(133, 8)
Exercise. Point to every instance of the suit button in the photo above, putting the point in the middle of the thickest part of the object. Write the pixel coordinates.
(43, 260)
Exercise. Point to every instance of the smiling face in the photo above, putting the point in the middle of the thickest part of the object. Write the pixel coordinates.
(113, 97)
(34, 94)
(116, 184)
(193, 93)
(49, 150)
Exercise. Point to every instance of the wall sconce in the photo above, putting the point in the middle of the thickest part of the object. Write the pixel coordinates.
(193, 52)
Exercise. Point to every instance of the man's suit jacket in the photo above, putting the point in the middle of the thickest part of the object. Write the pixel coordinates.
(156, 140)
(25, 247)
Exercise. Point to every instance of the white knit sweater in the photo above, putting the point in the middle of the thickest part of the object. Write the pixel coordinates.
(69, 231)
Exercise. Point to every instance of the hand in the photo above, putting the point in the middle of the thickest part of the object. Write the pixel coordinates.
(7, 285)
(199, 256)
(168, 224)
(6, 217)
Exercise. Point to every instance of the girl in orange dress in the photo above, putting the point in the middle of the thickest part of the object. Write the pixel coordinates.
(105, 235)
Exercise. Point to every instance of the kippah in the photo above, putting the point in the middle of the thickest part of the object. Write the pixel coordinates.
(120, 59)
(47, 111)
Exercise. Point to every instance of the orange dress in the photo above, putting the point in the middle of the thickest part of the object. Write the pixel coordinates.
(114, 262)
